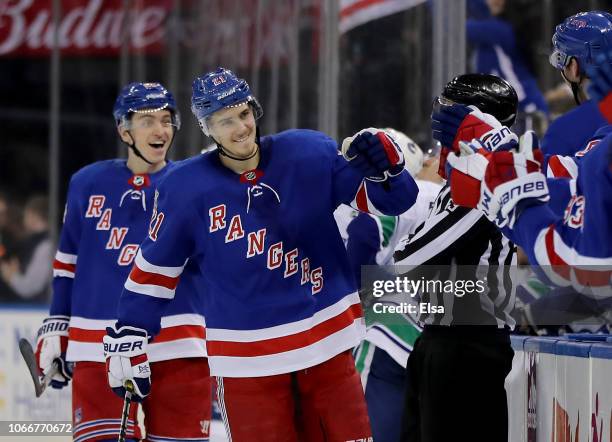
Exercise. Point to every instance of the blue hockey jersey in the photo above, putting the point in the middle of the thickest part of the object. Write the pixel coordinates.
(496, 52)
(279, 294)
(570, 132)
(575, 249)
(566, 166)
(107, 215)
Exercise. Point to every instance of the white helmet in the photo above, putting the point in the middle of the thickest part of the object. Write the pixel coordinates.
(413, 155)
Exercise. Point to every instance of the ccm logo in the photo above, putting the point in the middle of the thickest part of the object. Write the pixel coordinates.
(519, 190)
(123, 347)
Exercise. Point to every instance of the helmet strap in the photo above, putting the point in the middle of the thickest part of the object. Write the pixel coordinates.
(139, 154)
(225, 153)
(575, 85)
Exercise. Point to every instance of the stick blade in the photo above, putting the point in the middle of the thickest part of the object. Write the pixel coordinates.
(28, 356)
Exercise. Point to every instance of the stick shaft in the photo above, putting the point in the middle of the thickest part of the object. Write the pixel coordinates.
(127, 400)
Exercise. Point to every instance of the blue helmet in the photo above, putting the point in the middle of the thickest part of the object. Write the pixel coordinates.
(150, 97)
(217, 90)
(582, 36)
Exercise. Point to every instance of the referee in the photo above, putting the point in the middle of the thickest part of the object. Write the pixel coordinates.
(456, 371)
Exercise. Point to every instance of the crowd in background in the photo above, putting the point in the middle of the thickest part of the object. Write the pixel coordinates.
(26, 250)
(374, 57)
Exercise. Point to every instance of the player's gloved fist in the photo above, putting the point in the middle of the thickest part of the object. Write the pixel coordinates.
(466, 170)
(600, 89)
(374, 153)
(511, 183)
(125, 351)
(51, 345)
(451, 124)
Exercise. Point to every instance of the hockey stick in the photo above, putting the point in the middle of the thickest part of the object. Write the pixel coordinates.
(40, 382)
(129, 389)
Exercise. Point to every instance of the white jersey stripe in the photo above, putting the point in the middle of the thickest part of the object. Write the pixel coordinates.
(57, 273)
(146, 266)
(150, 290)
(66, 258)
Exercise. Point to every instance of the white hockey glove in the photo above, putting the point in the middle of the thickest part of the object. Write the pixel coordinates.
(511, 182)
(51, 345)
(125, 351)
(374, 153)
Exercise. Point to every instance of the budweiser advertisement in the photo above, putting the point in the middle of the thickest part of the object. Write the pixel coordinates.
(100, 27)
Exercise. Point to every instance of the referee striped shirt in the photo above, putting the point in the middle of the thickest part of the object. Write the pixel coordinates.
(458, 243)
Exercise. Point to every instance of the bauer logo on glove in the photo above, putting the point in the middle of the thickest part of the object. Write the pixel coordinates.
(375, 153)
(126, 360)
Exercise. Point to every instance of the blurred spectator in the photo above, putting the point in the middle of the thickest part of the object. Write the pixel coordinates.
(7, 240)
(7, 234)
(498, 50)
(3, 224)
(29, 273)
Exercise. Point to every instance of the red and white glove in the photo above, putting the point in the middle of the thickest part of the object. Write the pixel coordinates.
(374, 153)
(51, 345)
(125, 351)
(511, 181)
(455, 123)
(467, 170)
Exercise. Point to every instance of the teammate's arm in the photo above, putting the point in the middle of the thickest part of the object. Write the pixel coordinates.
(149, 287)
(52, 340)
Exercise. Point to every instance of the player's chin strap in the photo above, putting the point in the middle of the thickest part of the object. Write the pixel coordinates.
(132, 146)
(575, 85)
(223, 152)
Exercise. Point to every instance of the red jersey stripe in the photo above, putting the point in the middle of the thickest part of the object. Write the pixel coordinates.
(58, 265)
(180, 332)
(165, 335)
(146, 278)
(585, 277)
(557, 167)
(286, 343)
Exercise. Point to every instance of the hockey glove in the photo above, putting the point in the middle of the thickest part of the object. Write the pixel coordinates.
(125, 351)
(455, 123)
(374, 153)
(467, 170)
(51, 345)
(451, 124)
(600, 89)
(511, 183)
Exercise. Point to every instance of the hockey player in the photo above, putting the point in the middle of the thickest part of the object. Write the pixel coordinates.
(109, 206)
(281, 305)
(463, 355)
(573, 249)
(576, 44)
(381, 357)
